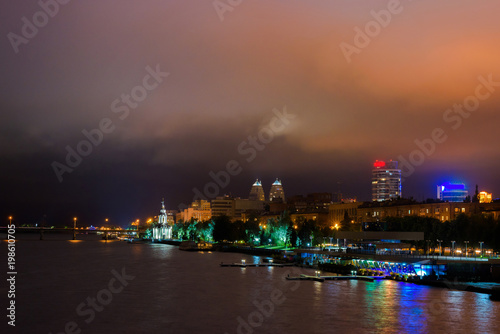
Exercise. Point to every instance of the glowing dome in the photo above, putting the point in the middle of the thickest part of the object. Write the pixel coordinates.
(257, 192)
(277, 193)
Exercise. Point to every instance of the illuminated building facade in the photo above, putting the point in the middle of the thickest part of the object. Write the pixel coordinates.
(277, 194)
(485, 197)
(257, 192)
(386, 181)
(223, 206)
(452, 192)
(339, 211)
(235, 208)
(379, 211)
(199, 210)
(243, 208)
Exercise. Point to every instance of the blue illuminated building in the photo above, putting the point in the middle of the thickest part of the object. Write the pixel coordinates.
(452, 192)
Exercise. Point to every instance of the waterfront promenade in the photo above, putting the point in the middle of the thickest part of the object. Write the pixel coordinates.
(406, 258)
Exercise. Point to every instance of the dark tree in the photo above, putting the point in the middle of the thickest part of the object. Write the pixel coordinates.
(345, 224)
(293, 237)
(475, 199)
(222, 229)
(252, 230)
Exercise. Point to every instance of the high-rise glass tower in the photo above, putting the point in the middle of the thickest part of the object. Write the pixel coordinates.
(276, 193)
(257, 192)
(386, 181)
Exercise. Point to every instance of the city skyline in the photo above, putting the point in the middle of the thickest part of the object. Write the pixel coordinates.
(264, 197)
(266, 166)
(101, 119)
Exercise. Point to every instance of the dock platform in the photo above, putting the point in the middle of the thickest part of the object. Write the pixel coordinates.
(334, 278)
(245, 265)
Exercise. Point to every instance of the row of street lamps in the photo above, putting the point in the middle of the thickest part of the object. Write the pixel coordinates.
(453, 247)
(74, 225)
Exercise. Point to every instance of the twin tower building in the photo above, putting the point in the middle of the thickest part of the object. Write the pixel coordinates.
(276, 194)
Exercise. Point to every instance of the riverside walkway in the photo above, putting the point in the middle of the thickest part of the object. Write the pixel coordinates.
(319, 278)
(245, 265)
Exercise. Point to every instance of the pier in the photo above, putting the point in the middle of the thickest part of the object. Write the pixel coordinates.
(244, 265)
(319, 278)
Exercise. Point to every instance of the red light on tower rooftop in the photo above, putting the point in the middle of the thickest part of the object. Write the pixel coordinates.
(379, 164)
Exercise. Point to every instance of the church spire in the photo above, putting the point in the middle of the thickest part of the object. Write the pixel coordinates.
(163, 211)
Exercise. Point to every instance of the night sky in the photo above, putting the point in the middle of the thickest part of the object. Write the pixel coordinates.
(231, 71)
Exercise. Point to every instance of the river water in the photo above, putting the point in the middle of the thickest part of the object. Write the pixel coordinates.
(92, 286)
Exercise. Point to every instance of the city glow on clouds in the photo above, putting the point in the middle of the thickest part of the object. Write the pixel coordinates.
(226, 75)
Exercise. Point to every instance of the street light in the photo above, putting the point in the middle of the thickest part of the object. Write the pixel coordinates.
(331, 240)
(453, 248)
(481, 246)
(440, 241)
(428, 249)
(466, 249)
(311, 237)
(74, 228)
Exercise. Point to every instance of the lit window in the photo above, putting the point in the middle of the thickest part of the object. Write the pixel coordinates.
(463, 209)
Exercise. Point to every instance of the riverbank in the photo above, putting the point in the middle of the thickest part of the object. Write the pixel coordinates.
(282, 256)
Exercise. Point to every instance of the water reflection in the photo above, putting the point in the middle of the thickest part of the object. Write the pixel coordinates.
(188, 292)
(412, 317)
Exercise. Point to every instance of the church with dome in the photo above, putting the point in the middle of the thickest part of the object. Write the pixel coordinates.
(162, 230)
